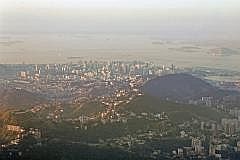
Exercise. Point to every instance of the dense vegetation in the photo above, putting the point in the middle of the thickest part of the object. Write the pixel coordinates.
(178, 113)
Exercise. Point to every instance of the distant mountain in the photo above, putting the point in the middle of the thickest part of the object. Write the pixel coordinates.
(181, 87)
(18, 97)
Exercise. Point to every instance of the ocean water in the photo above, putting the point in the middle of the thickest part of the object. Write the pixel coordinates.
(63, 48)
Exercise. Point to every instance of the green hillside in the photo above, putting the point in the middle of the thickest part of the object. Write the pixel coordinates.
(177, 112)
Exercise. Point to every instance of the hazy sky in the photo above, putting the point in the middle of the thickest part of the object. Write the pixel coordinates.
(207, 18)
(226, 4)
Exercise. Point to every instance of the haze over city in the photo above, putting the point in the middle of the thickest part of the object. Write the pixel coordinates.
(112, 29)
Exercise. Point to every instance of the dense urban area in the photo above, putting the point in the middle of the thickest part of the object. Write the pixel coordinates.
(120, 109)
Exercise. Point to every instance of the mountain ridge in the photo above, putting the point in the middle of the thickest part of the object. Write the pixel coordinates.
(181, 87)
(12, 97)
